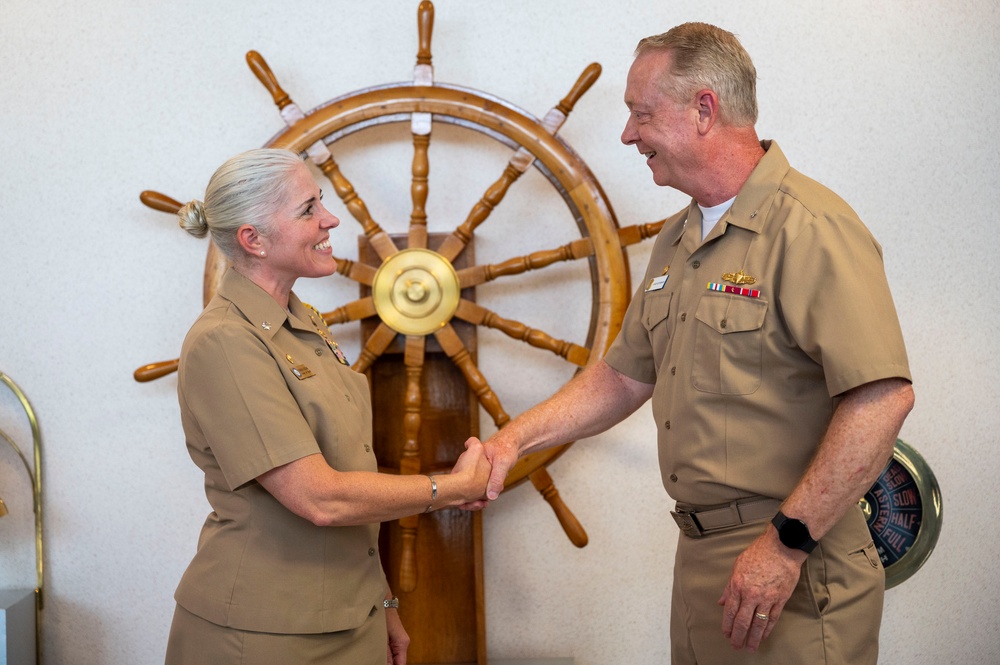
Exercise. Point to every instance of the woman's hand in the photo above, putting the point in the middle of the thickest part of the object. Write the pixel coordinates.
(474, 469)
(399, 641)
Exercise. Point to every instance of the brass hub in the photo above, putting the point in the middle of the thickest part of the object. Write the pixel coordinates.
(416, 291)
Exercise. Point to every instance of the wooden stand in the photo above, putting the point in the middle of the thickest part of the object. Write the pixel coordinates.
(444, 615)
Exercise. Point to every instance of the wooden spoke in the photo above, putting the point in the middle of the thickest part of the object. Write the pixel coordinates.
(542, 481)
(459, 355)
(518, 164)
(630, 235)
(155, 370)
(587, 78)
(420, 127)
(480, 316)
(413, 359)
(475, 275)
(264, 74)
(577, 249)
(453, 245)
(160, 202)
(362, 273)
(419, 188)
(425, 27)
(374, 347)
(380, 240)
(362, 308)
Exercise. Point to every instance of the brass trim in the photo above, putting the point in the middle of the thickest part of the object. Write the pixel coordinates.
(891, 505)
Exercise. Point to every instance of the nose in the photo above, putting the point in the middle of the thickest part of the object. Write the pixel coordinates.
(329, 220)
(629, 135)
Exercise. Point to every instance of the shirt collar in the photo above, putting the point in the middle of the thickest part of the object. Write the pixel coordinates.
(256, 304)
(757, 194)
(753, 201)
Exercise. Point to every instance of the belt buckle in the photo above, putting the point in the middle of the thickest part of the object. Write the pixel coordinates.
(687, 523)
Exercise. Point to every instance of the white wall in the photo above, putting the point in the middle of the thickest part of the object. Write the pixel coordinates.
(893, 104)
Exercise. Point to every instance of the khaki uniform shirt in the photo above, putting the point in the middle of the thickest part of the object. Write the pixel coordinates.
(259, 389)
(746, 382)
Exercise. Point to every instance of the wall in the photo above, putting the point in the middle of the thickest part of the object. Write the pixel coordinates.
(892, 104)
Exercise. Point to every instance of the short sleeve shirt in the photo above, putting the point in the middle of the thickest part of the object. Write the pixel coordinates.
(751, 335)
(260, 387)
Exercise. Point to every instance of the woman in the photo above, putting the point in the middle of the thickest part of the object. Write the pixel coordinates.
(287, 568)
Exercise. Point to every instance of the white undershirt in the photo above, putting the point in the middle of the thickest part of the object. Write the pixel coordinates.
(711, 216)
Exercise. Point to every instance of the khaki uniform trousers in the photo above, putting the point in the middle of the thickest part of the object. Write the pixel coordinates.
(195, 641)
(832, 618)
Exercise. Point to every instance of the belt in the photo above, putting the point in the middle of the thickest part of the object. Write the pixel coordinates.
(697, 521)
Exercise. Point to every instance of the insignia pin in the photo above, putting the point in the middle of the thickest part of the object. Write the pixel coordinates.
(739, 278)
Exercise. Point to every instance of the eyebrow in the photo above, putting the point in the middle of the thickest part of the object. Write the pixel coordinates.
(310, 201)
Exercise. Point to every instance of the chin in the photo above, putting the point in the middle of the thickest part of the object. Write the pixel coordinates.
(662, 181)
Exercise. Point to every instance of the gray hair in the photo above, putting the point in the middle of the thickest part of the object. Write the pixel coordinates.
(705, 56)
(246, 189)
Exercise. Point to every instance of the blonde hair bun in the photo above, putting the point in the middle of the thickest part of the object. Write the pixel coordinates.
(191, 218)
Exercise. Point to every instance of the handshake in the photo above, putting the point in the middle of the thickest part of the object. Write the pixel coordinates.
(482, 469)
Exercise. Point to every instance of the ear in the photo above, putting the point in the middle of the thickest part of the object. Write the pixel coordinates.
(249, 239)
(707, 103)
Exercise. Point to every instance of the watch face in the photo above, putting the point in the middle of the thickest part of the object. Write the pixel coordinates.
(793, 533)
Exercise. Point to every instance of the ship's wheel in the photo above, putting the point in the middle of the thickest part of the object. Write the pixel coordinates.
(418, 288)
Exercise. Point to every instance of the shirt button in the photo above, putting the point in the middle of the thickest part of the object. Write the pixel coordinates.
(368, 448)
(673, 477)
(319, 352)
(722, 323)
(696, 265)
(673, 370)
(666, 425)
(371, 551)
(684, 316)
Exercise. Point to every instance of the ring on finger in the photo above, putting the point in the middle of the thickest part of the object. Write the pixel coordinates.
(759, 615)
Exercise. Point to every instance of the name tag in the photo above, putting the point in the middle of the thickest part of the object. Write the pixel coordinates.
(657, 283)
(302, 372)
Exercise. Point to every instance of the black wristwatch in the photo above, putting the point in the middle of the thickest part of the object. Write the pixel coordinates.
(793, 533)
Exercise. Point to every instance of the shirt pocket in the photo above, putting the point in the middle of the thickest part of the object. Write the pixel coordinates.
(656, 321)
(655, 310)
(728, 346)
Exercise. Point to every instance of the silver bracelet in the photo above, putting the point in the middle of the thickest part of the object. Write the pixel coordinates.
(434, 494)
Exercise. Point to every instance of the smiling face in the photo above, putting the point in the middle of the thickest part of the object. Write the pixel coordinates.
(661, 128)
(298, 244)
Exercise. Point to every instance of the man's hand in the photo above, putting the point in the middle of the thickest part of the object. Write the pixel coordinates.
(763, 579)
(502, 453)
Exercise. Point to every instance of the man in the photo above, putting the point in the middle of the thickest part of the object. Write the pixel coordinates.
(765, 333)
